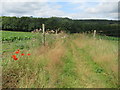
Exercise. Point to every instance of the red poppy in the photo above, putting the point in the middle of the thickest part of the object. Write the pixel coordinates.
(15, 58)
(17, 52)
(28, 54)
(22, 54)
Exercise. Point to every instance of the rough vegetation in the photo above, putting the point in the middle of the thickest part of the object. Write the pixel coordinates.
(75, 61)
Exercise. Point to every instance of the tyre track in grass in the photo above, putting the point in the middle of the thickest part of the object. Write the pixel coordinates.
(78, 70)
(54, 64)
(91, 74)
(68, 77)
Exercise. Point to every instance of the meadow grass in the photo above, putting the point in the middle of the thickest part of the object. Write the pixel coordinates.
(76, 61)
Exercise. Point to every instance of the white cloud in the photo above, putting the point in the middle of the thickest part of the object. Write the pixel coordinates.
(74, 1)
(40, 9)
(24, 0)
(102, 10)
(104, 7)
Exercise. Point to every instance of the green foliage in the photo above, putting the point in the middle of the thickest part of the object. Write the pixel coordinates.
(107, 27)
(19, 40)
(13, 36)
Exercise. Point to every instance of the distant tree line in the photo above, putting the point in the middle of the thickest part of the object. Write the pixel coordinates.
(27, 24)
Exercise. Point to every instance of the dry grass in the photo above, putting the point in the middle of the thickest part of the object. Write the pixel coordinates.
(65, 62)
(55, 63)
(48, 59)
(104, 53)
(87, 78)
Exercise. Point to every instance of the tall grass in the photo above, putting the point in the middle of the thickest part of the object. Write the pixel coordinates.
(76, 61)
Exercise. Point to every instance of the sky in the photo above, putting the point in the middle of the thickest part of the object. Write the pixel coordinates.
(74, 9)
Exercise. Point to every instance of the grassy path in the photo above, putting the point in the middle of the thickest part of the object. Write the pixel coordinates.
(65, 63)
(81, 71)
(91, 74)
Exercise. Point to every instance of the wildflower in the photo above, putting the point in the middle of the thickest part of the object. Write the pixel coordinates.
(13, 56)
(17, 52)
(28, 54)
(22, 54)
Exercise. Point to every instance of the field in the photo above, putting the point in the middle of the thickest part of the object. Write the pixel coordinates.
(66, 61)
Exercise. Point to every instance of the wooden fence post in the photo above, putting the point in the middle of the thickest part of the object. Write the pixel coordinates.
(56, 32)
(43, 27)
(94, 33)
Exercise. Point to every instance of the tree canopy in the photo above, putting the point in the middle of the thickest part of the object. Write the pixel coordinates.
(26, 24)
